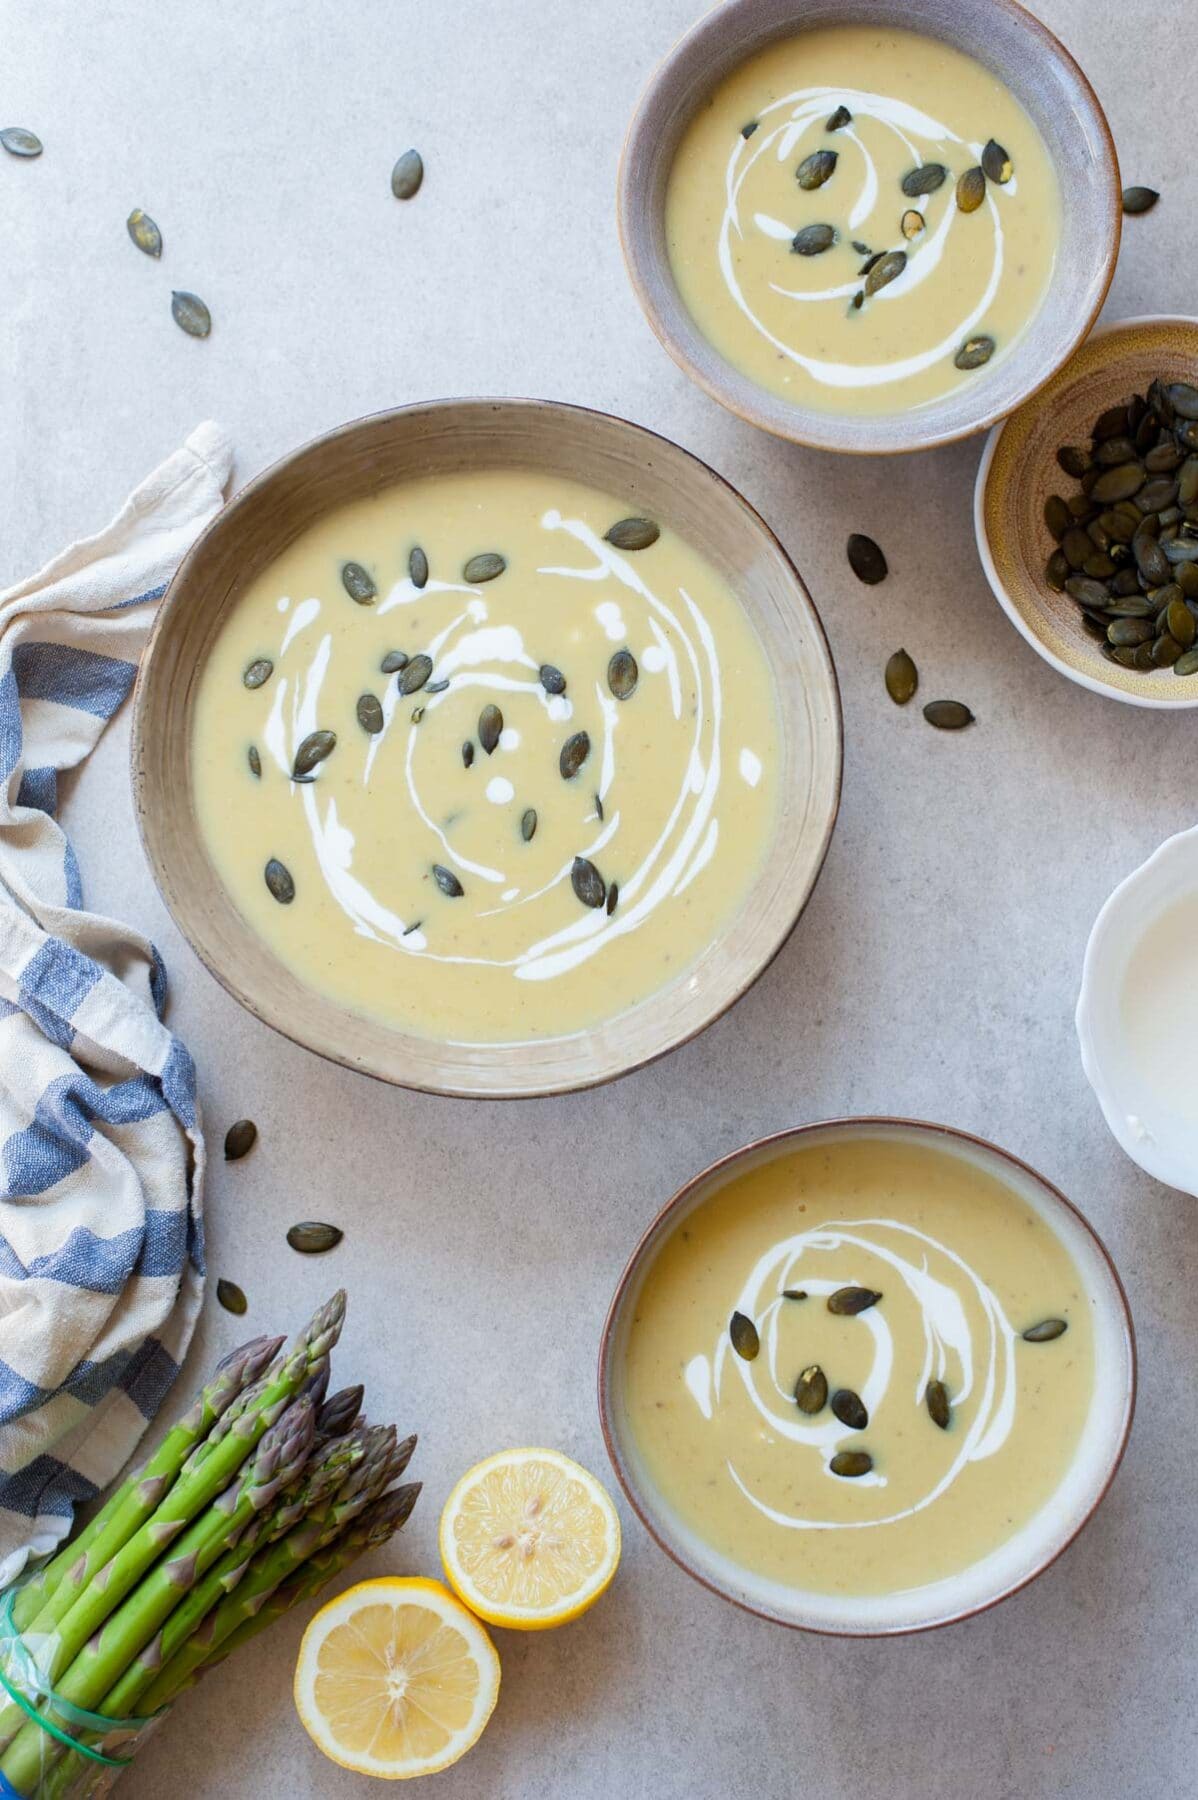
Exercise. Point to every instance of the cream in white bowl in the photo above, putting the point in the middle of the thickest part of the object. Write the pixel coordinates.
(1137, 1013)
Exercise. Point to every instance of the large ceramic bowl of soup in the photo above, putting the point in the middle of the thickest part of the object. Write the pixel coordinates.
(870, 225)
(491, 747)
(868, 1376)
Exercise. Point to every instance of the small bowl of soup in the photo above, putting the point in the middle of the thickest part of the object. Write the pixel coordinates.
(867, 1377)
(872, 226)
(492, 747)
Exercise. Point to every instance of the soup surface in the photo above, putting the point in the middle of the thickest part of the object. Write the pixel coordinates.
(820, 233)
(552, 774)
(960, 1266)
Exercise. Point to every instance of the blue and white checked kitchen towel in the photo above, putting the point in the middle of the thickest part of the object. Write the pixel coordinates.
(101, 1156)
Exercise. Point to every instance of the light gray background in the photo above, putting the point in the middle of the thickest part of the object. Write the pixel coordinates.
(934, 972)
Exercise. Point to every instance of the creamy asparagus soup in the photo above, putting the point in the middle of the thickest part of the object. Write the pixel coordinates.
(861, 218)
(484, 758)
(860, 1367)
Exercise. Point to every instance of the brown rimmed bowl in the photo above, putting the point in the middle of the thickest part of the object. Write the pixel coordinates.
(1004, 1571)
(643, 472)
(1035, 67)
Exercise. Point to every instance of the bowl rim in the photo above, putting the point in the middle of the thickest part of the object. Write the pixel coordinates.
(811, 428)
(1109, 328)
(494, 1088)
(1155, 1159)
(918, 1128)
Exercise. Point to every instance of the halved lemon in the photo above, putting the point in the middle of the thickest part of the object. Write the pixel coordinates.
(395, 1678)
(529, 1539)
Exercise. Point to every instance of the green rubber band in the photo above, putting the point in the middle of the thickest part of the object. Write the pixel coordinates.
(10, 1639)
(111, 1762)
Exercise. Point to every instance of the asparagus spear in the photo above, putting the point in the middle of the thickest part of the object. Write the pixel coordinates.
(339, 1413)
(198, 1484)
(278, 1458)
(136, 1498)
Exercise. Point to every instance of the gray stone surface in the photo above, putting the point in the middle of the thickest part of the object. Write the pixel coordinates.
(934, 972)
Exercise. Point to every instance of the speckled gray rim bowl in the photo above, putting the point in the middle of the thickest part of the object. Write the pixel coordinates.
(1033, 1548)
(1041, 74)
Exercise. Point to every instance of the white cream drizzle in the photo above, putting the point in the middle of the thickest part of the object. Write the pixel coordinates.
(985, 1367)
(798, 112)
(471, 651)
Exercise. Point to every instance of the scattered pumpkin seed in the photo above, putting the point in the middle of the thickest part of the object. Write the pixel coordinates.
(743, 1334)
(815, 169)
(484, 567)
(971, 189)
(923, 180)
(974, 353)
(490, 724)
(255, 761)
(839, 119)
(358, 584)
(190, 314)
(414, 674)
(1183, 398)
(811, 1390)
(996, 163)
(1187, 664)
(1139, 199)
(632, 534)
(937, 1402)
(144, 233)
(613, 894)
(240, 1139)
(1057, 516)
(393, 662)
(417, 567)
(599, 808)
(258, 672)
(948, 715)
(407, 175)
(746, 131)
(1073, 460)
(794, 1293)
(574, 753)
(279, 881)
(437, 687)
(888, 268)
(623, 674)
(1045, 1331)
(813, 240)
(588, 884)
(552, 680)
(467, 753)
(851, 1463)
(528, 824)
(902, 677)
(20, 142)
(312, 752)
(370, 713)
(850, 1409)
(866, 559)
(912, 223)
(313, 1237)
(848, 1301)
(231, 1297)
(447, 881)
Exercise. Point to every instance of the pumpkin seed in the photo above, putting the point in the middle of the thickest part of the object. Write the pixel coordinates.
(861, 249)
(1187, 664)
(902, 677)
(623, 674)
(613, 894)
(393, 662)
(528, 824)
(911, 223)
(414, 674)
(484, 567)
(633, 534)
(599, 808)
(490, 724)
(1057, 516)
(279, 881)
(447, 881)
(313, 1237)
(407, 175)
(996, 163)
(417, 567)
(467, 753)
(255, 761)
(815, 169)
(851, 1464)
(811, 1390)
(437, 687)
(839, 119)
(1157, 496)
(240, 1139)
(370, 713)
(358, 584)
(743, 1333)
(848, 1301)
(231, 1297)
(1183, 398)
(937, 1402)
(1110, 423)
(588, 884)
(866, 559)
(312, 752)
(1076, 546)
(20, 142)
(888, 268)
(1045, 1331)
(1073, 460)
(1181, 623)
(746, 131)
(948, 715)
(1086, 591)
(971, 190)
(1056, 571)
(258, 672)
(552, 680)
(144, 232)
(1130, 631)
(190, 314)
(850, 1409)
(974, 353)
(574, 753)
(1119, 483)
(1139, 199)
(1165, 651)
(1115, 450)
(794, 1293)
(1163, 458)
(923, 180)
(813, 240)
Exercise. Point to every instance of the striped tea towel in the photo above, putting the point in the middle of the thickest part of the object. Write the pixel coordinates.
(101, 1157)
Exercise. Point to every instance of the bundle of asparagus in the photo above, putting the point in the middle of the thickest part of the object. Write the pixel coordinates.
(261, 1494)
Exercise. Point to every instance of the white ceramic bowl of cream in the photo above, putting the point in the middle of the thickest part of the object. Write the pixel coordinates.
(1137, 1013)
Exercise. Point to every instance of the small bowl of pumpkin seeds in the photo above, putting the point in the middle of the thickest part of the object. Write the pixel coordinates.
(1086, 514)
